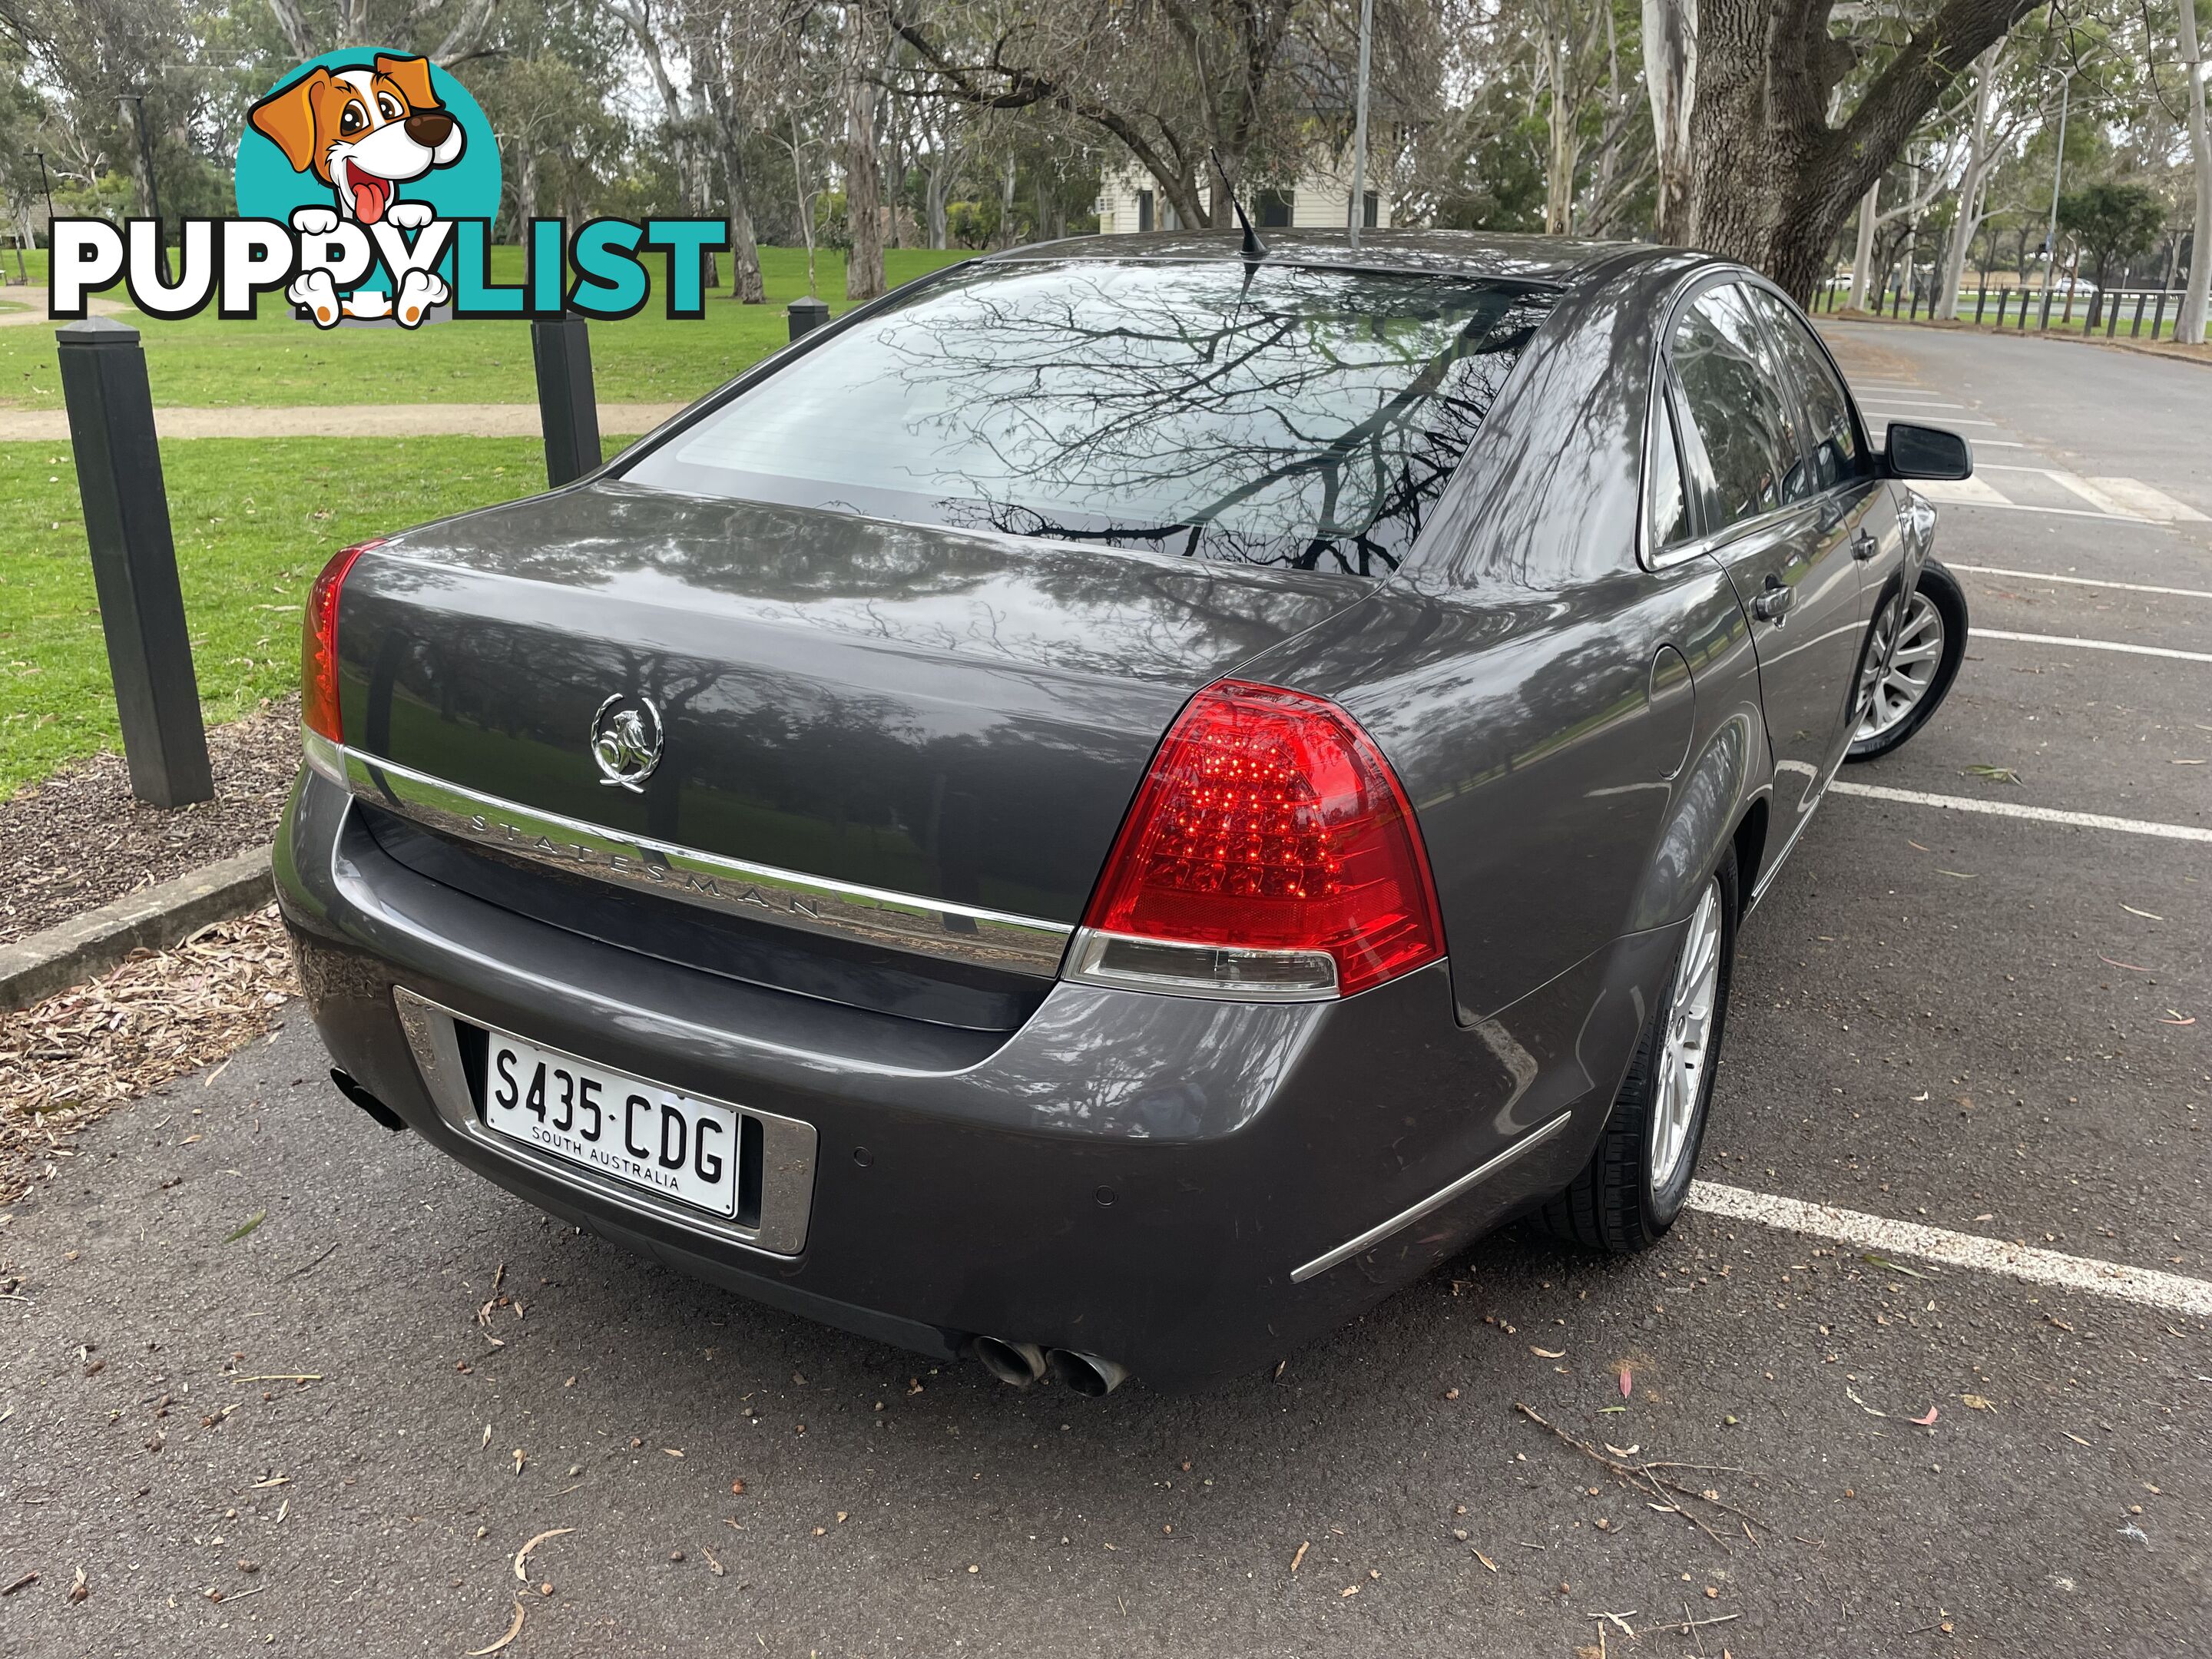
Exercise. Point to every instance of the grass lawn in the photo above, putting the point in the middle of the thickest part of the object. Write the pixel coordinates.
(204, 362)
(254, 521)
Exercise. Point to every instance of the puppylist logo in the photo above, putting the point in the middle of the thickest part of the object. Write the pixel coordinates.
(368, 182)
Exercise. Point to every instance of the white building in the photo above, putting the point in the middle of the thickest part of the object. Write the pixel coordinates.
(1129, 201)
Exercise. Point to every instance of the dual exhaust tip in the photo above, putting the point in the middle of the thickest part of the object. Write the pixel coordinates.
(1021, 1364)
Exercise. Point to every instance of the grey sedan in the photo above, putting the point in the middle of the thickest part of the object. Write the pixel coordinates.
(1123, 800)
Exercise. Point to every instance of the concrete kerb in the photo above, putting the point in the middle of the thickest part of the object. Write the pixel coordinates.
(157, 917)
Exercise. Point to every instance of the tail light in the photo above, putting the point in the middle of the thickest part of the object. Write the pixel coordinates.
(318, 647)
(1270, 855)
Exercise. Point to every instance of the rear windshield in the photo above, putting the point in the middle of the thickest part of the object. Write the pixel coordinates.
(1285, 416)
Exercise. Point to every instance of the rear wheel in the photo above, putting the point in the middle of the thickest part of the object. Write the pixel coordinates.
(1639, 1178)
(1930, 646)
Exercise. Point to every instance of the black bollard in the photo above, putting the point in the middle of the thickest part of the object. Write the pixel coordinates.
(567, 407)
(807, 315)
(134, 561)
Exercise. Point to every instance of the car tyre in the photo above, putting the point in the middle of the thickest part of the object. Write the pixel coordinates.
(1937, 624)
(1637, 1180)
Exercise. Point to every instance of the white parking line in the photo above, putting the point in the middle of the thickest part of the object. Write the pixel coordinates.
(1949, 420)
(2134, 496)
(2173, 1292)
(2126, 498)
(2083, 581)
(1941, 492)
(2005, 809)
(2092, 645)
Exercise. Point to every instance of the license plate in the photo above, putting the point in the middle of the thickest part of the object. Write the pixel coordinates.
(637, 1133)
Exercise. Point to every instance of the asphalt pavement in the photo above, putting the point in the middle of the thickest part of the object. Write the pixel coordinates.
(332, 1433)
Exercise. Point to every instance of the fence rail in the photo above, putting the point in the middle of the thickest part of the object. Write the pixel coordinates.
(2141, 312)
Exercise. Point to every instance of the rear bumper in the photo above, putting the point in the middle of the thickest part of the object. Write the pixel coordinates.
(1132, 1175)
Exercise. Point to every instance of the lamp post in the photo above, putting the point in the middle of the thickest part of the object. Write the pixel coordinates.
(2058, 172)
(138, 101)
(47, 186)
(1356, 214)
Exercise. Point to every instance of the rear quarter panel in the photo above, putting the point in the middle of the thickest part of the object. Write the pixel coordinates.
(1568, 795)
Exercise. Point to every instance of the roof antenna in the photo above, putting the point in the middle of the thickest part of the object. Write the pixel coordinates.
(1254, 247)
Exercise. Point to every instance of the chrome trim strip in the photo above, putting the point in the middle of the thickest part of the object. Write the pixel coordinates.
(787, 1144)
(1376, 1234)
(900, 921)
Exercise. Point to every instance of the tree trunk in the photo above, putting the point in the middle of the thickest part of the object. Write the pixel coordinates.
(2188, 328)
(745, 284)
(1007, 202)
(1862, 258)
(1559, 166)
(1773, 178)
(1670, 66)
(864, 194)
(525, 191)
(1979, 162)
(937, 185)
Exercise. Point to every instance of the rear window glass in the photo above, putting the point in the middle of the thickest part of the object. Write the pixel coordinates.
(1285, 417)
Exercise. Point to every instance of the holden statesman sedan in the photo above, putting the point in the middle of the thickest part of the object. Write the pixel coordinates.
(1117, 804)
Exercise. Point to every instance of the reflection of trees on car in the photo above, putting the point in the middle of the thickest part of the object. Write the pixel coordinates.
(1308, 418)
(1751, 450)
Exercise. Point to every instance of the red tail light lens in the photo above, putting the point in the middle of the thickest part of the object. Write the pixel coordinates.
(318, 647)
(1270, 830)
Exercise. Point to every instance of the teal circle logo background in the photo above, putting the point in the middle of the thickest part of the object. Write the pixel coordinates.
(267, 187)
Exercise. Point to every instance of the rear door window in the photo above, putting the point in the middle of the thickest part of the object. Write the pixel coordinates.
(1735, 403)
(1263, 416)
(1834, 432)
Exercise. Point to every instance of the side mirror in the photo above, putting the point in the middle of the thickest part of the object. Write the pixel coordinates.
(1928, 452)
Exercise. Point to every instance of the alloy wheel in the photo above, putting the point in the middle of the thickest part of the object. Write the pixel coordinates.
(1912, 668)
(1686, 1050)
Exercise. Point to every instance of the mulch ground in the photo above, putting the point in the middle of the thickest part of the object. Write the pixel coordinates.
(79, 839)
(66, 1060)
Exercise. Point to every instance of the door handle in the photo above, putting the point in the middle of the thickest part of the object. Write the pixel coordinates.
(1865, 545)
(1774, 601)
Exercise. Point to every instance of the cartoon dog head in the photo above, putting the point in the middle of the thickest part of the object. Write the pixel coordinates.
(362, 131)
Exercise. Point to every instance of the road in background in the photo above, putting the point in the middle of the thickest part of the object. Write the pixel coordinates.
(1992, 1025)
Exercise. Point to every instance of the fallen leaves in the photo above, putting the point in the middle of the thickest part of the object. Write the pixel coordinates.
(522, 1555)
(22, 1583)
(2147, 916)
(1874, 1411)
(1299, 1560)
(1653, 1480)
(1547, 1353)
(1994, 774)
(66, 1060)
(250, 1224)
(1625, 1392)
(1887, 1266)
(513, 1631)
(79, 1588)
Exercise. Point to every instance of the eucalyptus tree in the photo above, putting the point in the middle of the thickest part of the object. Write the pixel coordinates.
(1260, 84)
(1792, 121)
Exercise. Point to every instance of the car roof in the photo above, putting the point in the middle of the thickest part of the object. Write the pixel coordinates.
(1478, 253)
